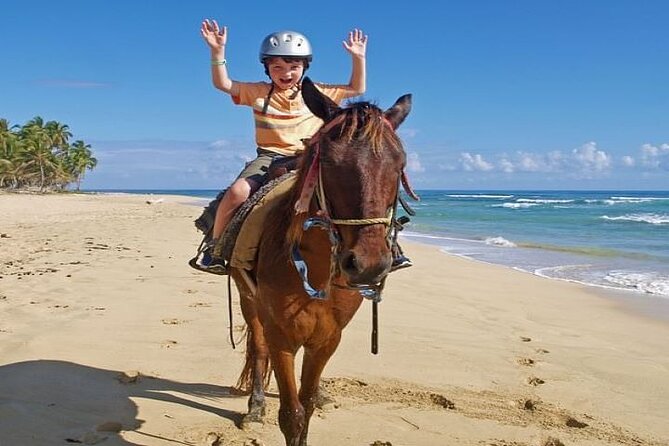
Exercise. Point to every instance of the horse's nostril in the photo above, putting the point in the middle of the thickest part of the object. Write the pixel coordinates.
(350, 264)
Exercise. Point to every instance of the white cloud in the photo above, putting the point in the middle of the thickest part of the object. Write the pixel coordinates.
(655, 157)
(220, 144)
(168, 164)
(506, 166)
(589, 159)
(585, 161)
(531, 162)
(413, 163)
(475, 162)
(628, 161)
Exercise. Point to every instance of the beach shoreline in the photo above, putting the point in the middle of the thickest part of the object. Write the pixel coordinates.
(637, 302)
(102, 321)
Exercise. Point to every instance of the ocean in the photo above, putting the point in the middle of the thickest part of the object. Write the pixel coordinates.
(612, 239)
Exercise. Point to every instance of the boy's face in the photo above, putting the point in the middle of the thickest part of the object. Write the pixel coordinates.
(285, 74)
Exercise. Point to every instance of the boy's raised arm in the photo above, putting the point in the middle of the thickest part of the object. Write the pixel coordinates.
(356, 45)
(217, 38)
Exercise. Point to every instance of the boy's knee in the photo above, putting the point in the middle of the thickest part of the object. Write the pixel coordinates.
(239, 191)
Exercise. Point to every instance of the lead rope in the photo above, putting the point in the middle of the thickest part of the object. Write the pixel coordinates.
(232, 338)
(375, 327)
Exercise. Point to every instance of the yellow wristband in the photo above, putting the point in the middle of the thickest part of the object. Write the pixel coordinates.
(218, 62)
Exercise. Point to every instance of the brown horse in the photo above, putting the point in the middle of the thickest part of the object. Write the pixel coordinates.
(336, 222)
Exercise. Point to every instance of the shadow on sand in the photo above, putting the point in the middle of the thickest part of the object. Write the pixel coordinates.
(46, 402)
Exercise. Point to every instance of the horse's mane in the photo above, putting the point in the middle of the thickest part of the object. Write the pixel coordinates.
(364, 121)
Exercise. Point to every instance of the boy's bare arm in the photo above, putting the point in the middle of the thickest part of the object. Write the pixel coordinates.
(356, 45)
(217, 38)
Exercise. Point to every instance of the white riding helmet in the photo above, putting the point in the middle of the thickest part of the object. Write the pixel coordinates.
(285, 44)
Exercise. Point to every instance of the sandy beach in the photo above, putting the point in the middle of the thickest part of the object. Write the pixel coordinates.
(108, 337)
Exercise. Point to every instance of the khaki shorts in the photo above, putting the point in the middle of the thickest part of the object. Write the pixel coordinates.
(256, 170)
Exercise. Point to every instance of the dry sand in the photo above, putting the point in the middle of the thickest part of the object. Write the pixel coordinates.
(107, 337)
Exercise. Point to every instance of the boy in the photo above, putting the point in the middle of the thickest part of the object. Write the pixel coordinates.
(282, 120)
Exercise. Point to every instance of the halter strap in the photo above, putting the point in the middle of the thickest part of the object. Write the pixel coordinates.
(312, 178)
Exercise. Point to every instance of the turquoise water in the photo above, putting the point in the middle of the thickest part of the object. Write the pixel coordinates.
(616, 239)
(613, 239)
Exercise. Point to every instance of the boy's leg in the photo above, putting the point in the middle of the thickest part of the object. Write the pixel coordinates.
(248, 181)
(400, 261)
(234, 197)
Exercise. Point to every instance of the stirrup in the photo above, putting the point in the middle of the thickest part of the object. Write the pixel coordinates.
(203, 250)
(220, 270)
(400, 262)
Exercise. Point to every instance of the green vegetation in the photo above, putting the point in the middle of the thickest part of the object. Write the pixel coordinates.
(38, 155)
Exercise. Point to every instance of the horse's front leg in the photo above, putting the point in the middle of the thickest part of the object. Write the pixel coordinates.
(313, 364)
(291, 412)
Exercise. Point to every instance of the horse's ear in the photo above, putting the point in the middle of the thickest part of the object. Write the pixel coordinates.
(399, 111)
(319, 104)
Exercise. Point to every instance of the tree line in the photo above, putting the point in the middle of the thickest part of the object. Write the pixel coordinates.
(39, 155)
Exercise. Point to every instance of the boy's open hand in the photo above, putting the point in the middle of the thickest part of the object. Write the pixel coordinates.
(216, 38)
(356, 44)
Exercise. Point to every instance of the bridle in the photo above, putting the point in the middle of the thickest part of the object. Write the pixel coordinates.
(313, 184)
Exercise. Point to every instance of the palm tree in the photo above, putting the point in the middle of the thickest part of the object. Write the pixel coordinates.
(59, 134)
(82, 159)
(11, 167)
(39, 154)
(6, 135)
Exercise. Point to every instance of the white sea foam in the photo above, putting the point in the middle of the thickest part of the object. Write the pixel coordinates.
(639, 199)
(510, 205)
(499, 241)
(650, 283)
(624, 200)
(543, 201)
(654, 219)
(479, 196)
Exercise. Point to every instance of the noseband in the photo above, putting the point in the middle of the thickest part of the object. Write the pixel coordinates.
(314, 183)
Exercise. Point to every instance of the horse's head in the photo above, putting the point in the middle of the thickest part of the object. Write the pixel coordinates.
(361, 161)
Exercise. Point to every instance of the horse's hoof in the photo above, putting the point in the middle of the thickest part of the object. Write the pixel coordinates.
(324, 401)
(257, 416)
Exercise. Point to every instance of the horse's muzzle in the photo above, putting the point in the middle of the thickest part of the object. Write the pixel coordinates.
(363, 268)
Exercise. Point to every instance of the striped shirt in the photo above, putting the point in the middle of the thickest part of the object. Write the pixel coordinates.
(287, 120)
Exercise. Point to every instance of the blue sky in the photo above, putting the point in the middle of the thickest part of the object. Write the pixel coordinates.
(507, 94)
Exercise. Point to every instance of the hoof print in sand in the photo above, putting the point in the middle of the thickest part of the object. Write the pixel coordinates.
(173, 321)
(525, 404)
(573, 422)
(551, 441)
(526, 361)
(534, 381)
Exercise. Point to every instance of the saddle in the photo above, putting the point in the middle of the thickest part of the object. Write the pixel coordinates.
(239, 243)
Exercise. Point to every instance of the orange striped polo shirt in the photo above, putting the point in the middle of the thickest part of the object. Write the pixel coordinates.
(287, 120)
